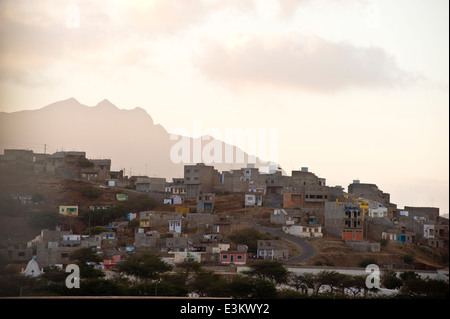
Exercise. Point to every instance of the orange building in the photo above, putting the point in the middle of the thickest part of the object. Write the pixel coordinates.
(353, 222)
(292, 200)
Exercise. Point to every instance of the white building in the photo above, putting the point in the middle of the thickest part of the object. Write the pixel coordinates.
(175, 226)
(377, 209)
(428, 231)
(314, 231)
(32, 269)
(255, 199)
(173, 199)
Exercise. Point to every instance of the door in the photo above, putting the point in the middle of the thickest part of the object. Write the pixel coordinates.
(231, 258)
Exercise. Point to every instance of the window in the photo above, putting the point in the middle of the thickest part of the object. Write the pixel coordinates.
(21, 254)
(224, 256)
(64, 255)
(188, 171)
(239, 257)
(196, 178)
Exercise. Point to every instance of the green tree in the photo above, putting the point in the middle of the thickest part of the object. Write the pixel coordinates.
(94, 230)
(249, 237)
(144, 266)
(390, 280)
(100, 287)
(85, 258)
(85, 255)
(244, 287)
(415, 287)
(327, 278)
(302, 281)
(272, 270)
(208, 283)
(354, 285)
(408, 275)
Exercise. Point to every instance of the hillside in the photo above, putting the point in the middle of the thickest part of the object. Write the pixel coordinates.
(334, 252)
(16, 226)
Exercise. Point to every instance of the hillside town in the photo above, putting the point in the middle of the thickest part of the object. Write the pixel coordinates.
(203, 217)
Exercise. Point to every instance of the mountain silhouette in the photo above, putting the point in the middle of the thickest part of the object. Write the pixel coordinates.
(130, 138)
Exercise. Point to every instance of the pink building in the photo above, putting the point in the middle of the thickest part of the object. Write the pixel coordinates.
(233, 257)
(111, 263)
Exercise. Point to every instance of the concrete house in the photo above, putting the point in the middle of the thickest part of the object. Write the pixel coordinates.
(253, 199)
(272, 249)
(68, 210)
(428, 231)
(285, 217)
(344, 219)
(144, 219)
(292, 200)
(146, 239)
(205, 203)
(309, 231)
(377, 209)
(173, 200)
(199, 178)
(150, 184)
(233, 257)
(175, 226)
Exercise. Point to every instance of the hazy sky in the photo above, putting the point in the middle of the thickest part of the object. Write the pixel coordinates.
(357, 89)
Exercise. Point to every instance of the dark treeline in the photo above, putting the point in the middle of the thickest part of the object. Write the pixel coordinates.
(147, 275)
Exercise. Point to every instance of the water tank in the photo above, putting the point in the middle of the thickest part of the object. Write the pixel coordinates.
(356, 181)
(305, 169)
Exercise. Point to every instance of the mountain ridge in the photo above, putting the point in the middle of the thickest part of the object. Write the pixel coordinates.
(129, 137)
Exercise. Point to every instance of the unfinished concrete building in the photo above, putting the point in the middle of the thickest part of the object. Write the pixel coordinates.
(199, 178)
(205, 203)
(272, 250)
(344, 220)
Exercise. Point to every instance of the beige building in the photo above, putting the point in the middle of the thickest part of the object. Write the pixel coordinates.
(68, 210)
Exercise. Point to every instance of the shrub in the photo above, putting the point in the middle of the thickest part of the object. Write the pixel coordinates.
(408, 259)
(383, 242)
(364, 263)
(90, 191)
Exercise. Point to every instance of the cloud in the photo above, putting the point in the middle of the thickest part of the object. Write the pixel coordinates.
(299, 62)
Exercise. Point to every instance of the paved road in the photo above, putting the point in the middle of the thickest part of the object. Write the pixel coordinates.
(307, 250)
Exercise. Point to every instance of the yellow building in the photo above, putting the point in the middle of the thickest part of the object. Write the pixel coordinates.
(144, 219)
(68, 210)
